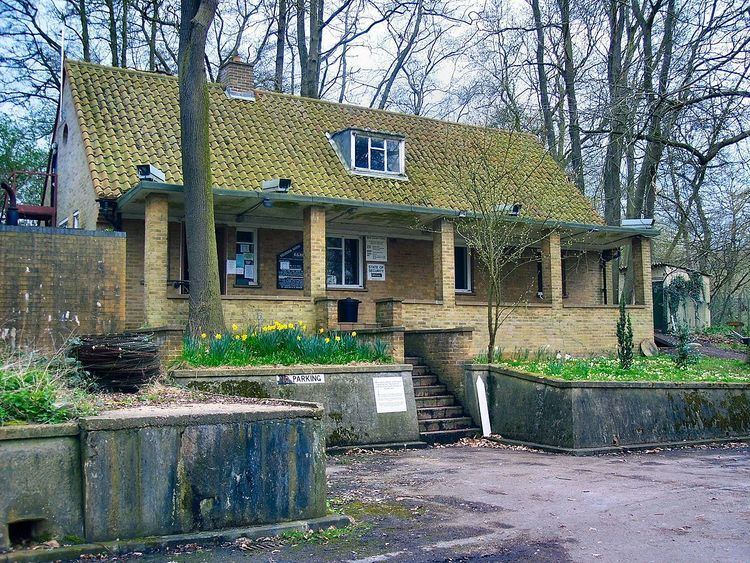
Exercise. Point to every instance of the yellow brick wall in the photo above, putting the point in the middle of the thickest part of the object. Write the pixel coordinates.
(58, 282)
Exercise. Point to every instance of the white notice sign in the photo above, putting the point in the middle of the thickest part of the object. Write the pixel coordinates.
(300, 378)
(376, 249)
(376, 272)
(389, 394)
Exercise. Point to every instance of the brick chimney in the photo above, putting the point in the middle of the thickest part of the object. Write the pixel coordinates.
(237, 76)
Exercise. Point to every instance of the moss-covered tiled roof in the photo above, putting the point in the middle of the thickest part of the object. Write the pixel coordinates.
(131, 117)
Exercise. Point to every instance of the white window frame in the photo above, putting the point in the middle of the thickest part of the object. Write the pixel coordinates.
(385, 139)
(360, 277)
(76, 219)
(256, 281)
(469, 281)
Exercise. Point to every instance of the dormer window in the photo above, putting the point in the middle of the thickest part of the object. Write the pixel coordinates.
(374, 153)
(371, 153)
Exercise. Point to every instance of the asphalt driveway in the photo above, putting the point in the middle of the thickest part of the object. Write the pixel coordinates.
(487, 504)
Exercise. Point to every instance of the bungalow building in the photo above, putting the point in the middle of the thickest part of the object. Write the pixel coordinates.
(318, 201)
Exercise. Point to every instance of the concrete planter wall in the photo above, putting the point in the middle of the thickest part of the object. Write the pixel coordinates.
(589, 417)
(155, 471)
(347, 394)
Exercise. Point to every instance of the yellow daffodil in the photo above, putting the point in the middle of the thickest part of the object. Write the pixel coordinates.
(244, 337)
(354, 333)
(235, 328)
(236, 336)
(338, 338)
(217, 336)
(321, 330)
(328, 340)
(204, 335)
(299, 338)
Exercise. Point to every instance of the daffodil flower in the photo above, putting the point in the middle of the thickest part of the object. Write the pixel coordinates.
(354, 333)
(204, 335)
(328, 340)
(217, 336)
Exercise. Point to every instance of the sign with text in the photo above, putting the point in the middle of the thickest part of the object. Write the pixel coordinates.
(289, 268)
(294, 378)
(376, 249)
(376, 272)
(389, 394)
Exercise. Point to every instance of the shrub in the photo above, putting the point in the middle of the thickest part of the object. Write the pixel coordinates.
(280, 343)
(685, 354)
(36, 389)
(624, 338)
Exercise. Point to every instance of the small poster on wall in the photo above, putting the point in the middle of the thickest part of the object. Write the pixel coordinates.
(376, 249)
(389, 394)
(376, 272)
(290, 268)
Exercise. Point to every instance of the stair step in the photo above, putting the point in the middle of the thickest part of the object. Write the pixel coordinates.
(438, 424)
(435, 401)
(430, 390)
(449, 436)
(424, 380)
(426, 413)
(414, 360)
(420, 370)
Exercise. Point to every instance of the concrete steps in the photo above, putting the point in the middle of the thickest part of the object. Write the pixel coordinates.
(441, 418)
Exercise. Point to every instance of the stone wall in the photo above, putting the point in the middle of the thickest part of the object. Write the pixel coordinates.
(347, 394)
(589, 417)
(58, 282)
(151, 471)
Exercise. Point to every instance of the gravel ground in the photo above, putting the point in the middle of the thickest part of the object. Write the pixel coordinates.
(478, 503)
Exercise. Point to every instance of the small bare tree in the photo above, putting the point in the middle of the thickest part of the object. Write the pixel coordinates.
(503, 231)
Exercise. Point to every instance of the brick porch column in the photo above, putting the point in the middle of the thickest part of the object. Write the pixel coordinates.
(155, 260)
(314, 243)
(443, 261)
(641, 252)
(552, 270)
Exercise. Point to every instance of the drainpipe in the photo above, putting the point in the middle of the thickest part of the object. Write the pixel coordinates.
(11, 217)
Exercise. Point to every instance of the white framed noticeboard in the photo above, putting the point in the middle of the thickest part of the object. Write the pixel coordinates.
(376, 249)
(376, 272)
(389, 394)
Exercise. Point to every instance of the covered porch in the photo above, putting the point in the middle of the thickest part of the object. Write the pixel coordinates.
(292, 258)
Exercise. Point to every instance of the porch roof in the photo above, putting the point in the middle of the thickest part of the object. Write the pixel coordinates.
(237, 206)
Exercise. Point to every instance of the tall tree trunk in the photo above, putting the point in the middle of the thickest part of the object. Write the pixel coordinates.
(205, 313)
(152, 36)
(281, 20)
(549, 128)
(302, 44)
(616, 116)
(85, 38)
(311, 71)
(568, 72)
(124, 40)
(644, 199)
(112, 24)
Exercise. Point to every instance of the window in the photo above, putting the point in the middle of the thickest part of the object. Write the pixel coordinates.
(343, 262)
(77, 219)
(245, 259)
(377, 154)
(463, 269)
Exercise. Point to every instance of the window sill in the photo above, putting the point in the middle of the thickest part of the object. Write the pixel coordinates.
(345, 288)
(247, 286)
(377, 174)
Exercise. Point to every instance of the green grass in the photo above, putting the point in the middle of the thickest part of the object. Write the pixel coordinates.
(661, 368)
(280, 344)
(41, 390)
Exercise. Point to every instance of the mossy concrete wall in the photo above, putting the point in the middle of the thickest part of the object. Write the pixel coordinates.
(40, 480)
(347, 395)
(151, 471)
(588, 416)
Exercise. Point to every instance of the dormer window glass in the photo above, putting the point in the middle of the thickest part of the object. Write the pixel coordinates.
(377, 154)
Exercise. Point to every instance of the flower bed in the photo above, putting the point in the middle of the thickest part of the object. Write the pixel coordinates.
(280, 344)
(661, 368)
